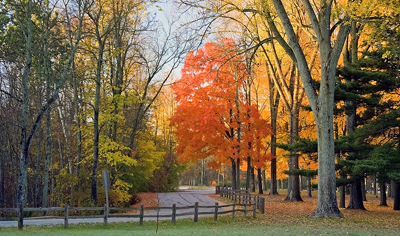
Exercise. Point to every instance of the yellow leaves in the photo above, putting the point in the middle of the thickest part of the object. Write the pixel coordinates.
(149, 159)
(113, 152)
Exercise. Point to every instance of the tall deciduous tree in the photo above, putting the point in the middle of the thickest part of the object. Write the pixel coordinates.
(211, 116)
(321, 103)
(102, 28)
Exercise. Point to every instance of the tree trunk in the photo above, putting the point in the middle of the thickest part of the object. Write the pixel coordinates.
(2, 164)
(253, 182)
(233, 173)
(47, 160)
(363, 190)
(396, 196)
(273, 180)
(309, 188)
(389, 188)
(342, 199)
(37, 171)
(24, 147)
(327, 203)
(119, 31)
(248, 172)
(383, 201)
(237, 174)
(293, 193)
(78, 133)
(260, 184)
(96, 132)
(95, 145)
(356, 195)
(274, 103)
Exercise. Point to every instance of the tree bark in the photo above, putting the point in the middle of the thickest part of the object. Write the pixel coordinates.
(79, 132)
(2, 166)
(47, 160)
(342, 197)
(96, 132)
(274, 98)
(233, 173)
(363, 190)
(383, 201)
(309, 187)
(37, 170)
(396, 196)
(356, 195)
(237, 174)
(293, 193)
(24, 145)
(101, 35)
(260, 184)
(273, 180)
(253, 182)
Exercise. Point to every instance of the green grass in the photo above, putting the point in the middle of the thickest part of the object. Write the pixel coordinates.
(205, 226)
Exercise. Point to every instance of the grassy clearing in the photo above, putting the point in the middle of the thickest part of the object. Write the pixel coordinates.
(225, 226)
(281, 218)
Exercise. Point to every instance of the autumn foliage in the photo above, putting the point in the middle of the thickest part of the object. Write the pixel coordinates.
(212, 109)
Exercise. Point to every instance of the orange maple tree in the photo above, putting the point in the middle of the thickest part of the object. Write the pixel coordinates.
(212, 117)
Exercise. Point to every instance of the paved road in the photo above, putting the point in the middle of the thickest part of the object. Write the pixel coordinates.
(184, 198)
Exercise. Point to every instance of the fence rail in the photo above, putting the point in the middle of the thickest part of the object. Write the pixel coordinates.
(244, 205)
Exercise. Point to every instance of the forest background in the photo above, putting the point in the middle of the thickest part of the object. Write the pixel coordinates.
(88, 86)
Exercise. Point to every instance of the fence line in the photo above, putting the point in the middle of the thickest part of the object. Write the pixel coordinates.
(242, 197)
(255, 202)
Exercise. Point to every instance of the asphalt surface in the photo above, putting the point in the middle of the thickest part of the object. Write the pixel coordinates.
(181, 199)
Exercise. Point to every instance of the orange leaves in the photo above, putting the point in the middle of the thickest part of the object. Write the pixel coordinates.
(212, 110)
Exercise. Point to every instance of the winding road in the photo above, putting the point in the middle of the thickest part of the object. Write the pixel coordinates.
(181, 199)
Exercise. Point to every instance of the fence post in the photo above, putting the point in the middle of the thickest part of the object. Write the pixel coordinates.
(233, 210)
(141, 214)
(66, 216)
(105, 215)
(216, 212)
(254, 207)
(245, 209)
(262, 205)
(258, 202)
(196, 211)
(173, 213)
(21, 217)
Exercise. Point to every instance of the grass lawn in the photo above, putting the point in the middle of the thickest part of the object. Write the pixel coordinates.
(281, 218)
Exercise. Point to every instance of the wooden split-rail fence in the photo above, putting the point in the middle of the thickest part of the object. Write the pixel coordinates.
(242, 203)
